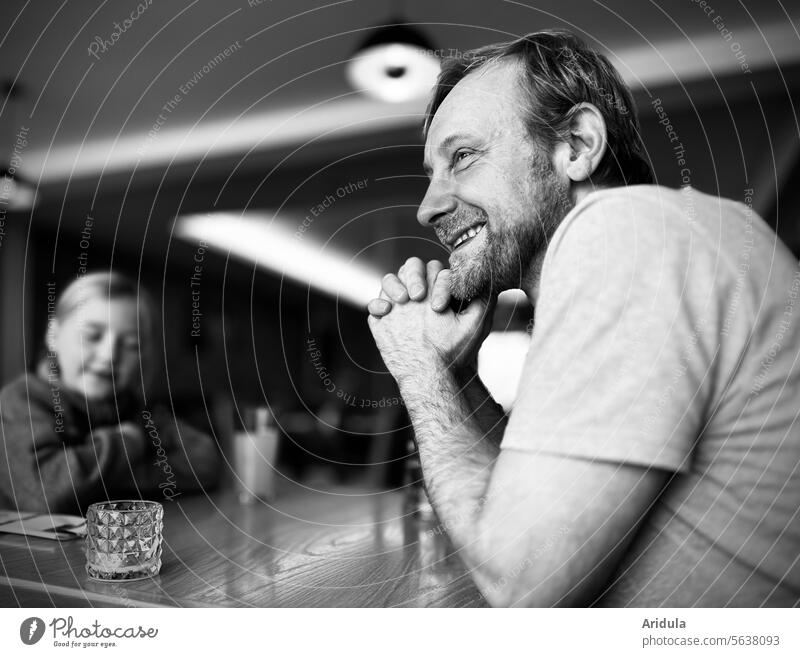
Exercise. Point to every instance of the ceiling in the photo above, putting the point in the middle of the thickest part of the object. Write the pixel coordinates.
(257, 88)
(89, 107)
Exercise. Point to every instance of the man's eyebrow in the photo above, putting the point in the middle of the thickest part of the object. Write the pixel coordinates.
(447, 142)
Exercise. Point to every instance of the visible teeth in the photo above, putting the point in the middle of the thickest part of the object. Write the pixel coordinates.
(471, 232)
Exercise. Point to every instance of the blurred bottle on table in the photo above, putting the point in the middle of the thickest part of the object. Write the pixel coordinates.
(255, 455)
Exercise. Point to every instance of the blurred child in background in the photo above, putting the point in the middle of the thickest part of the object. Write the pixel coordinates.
(76, 431)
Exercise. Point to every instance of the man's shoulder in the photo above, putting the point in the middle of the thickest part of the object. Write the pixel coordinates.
(648, 236)
(647, 204)
(662, 219)
(643, 203)
(620, 219)
(638, 195)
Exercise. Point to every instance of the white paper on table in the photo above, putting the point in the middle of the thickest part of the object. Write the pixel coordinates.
(55, 527)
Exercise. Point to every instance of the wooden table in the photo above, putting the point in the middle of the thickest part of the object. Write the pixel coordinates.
(310, 548)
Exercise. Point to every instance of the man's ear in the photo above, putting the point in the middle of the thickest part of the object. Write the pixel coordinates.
(587, 142)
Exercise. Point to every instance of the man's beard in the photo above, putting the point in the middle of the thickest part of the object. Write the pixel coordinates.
(509, 251)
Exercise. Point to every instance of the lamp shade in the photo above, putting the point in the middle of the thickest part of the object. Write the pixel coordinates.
(395, 63)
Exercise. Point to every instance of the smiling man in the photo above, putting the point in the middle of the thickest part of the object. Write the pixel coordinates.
(651, 455)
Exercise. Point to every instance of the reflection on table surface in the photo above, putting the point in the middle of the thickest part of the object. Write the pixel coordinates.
(341, 548)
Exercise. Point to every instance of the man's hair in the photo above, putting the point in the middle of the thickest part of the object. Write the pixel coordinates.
(561, 71)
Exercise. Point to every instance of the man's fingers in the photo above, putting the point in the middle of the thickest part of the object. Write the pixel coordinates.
(412, 281)
(394, 288)
(440, 297)
(434, 267)
(412, 275)
(379, 307)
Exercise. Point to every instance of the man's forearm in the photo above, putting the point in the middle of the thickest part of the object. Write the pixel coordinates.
(458, 427)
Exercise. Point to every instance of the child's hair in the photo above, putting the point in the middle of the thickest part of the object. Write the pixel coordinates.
(113, 285)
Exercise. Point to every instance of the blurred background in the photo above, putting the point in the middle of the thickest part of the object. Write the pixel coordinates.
(224, 154)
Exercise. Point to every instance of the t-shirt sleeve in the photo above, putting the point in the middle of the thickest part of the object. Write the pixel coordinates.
(624, 343)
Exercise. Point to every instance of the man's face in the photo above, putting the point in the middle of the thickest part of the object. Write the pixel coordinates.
(494, 198)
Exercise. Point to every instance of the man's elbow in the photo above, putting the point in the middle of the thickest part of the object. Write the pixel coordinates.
(507, 589)
(526, 581)
(496, 589)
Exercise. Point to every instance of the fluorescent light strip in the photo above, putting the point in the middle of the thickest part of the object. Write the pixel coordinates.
(260, 239)
(707, 55)
(213, 138)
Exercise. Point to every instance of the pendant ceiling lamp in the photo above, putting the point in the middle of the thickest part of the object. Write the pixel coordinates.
(394, 64)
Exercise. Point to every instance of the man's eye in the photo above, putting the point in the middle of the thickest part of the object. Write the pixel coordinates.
(92, 336)
(462, 157)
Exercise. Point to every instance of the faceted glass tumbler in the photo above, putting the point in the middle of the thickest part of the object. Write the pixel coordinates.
(123, 539)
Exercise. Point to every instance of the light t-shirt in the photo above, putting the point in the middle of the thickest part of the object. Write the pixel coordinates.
(667, 335)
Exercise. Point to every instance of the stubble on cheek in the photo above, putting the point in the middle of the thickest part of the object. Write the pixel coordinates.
(472, 275)
(508, 253)
(467, 271)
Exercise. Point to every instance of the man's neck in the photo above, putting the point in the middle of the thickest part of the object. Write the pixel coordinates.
(579, 191)
(530, 283)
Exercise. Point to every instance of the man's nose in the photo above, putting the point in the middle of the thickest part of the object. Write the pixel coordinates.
(439, 200)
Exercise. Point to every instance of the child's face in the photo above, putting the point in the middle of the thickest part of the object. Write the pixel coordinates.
(97, 347)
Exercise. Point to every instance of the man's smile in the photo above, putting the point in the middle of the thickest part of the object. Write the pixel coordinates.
(456, 239)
